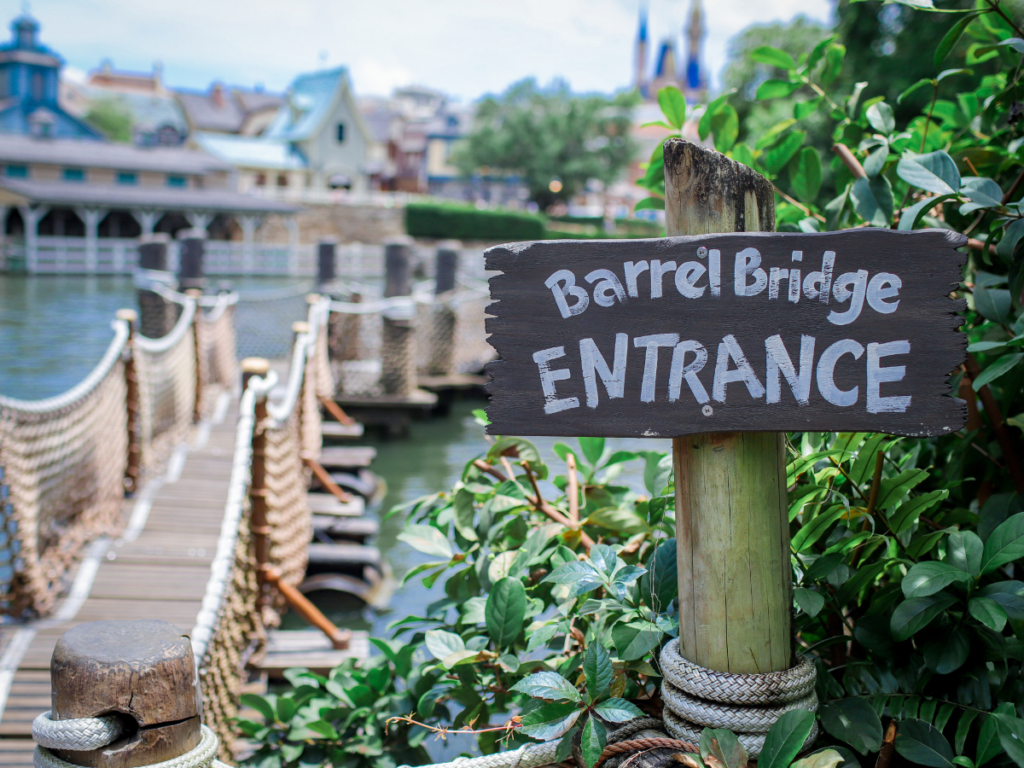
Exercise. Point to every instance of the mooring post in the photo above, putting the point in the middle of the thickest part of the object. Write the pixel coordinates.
(732, 530)
(157, 314)
(258, 525)
(190, 267)
(131, 380)
(197, 402)
(398, 359)
(145, 671)
(325, 256)
(443, 321)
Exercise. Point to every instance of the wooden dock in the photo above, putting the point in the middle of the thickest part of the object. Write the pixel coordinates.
(157, 569)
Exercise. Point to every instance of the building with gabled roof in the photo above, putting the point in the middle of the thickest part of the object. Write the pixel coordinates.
(316, 141)
(229, 109)
(29, 88)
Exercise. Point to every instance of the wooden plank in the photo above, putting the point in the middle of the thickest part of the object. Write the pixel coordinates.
(418, 399)
(346, 456)
(338, 430)
(16, 753)
(590, 347)
(308, 649)
(326, 504)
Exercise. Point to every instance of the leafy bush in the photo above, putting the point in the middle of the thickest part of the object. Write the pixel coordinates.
(464, 222)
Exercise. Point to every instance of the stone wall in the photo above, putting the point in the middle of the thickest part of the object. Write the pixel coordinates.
(348, 223)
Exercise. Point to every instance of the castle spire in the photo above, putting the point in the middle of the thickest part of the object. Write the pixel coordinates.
(640, 65)
(695, 80)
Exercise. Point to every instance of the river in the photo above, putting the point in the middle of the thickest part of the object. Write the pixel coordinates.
(54, 329)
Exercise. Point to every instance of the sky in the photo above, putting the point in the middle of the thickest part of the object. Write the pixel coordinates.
(466, 48)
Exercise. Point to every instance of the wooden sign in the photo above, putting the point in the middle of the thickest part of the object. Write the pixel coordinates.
(838, 331)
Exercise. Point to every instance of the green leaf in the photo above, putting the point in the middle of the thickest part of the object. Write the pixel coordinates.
(951, 38)
(651, 204)
(963, 729)
(426, 539)
(988, 612)
(673, 105)
(1005, 544)
(776, 89)
(660, 585)
(775, 159)
(909, 217)
(725, 127)
(547, 685)
(442, 644)
(593, 449)
(506, 611)
(816, 527)
(621, 520)
(635, 639)
(724, 746)
(1011, 736)
(261, 704)
(1009, 595)
(597, 668)
(933, 172)
(805, 174)
(824, 758)
(964, 550)
(550, 720)
(785, 739)
(988, 740)
(704, 127)
(810, 602)
(923, 744)
(618, 710)
(776, 57)
(872, 200)
(892, 490)
(947, 652)
(804, 109)
(907, 513)
(930, 577)
(594, 740)
(881, 118)
(463, 513)
(997, 368)
(913, 615)
(993, 303)
(564, 750)
(854, 722)
(919, 84)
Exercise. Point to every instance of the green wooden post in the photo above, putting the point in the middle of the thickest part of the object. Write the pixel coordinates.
(732, 531)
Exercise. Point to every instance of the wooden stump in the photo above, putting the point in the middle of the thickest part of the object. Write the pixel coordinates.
(732, 531)
(143, 669)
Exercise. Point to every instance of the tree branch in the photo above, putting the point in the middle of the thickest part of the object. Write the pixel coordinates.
(1002, 434)
(850, 161)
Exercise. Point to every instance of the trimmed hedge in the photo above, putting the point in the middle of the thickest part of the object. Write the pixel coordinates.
(464, 222)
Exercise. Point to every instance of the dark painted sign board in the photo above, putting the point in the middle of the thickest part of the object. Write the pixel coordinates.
(837, 331)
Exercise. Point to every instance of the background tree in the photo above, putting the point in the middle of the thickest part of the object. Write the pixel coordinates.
(549, 133)
(112, 118)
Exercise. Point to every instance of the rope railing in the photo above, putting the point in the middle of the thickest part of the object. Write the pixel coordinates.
(68, 460)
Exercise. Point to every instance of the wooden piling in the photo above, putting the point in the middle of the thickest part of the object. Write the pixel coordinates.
(197, 401)
(443, 318)
(190, 267)
(157, 315)
(142, 669)
(735, 590)
(131, 378)
(398, 360)
(325, 255)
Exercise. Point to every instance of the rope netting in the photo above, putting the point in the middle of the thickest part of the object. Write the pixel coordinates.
(263, 321)
(379, 346)
(64, 459)
(231, 629)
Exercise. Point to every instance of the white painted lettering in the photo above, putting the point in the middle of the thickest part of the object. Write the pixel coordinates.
(563, 283)
(776, 276)
(827, 370)
(748, 262)
(878, 375)
(657, 272)
(818, 285)
(633, 270)
(553, 403)
(794, 284)
(715, 271)
(608, 290)
(594, 365)
(652, 343)
(686, 277)
(680, 370)
(841, 292)
(884, 286)
(779, 362)
(730, 349)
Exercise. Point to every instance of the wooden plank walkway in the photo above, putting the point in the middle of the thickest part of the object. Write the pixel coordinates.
(157, 569)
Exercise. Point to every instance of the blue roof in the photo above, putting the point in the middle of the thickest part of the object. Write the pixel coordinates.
(252, 151)
(306, 105)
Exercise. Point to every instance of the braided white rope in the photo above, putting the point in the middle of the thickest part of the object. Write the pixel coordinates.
(696, 697)
(203, 756)
(157, 346)
(79, 734)
(527, 756)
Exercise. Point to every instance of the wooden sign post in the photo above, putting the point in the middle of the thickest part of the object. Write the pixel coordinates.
(723, 342)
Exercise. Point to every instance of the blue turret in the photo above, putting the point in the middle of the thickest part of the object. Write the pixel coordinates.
(29, 82)
(640, 68)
